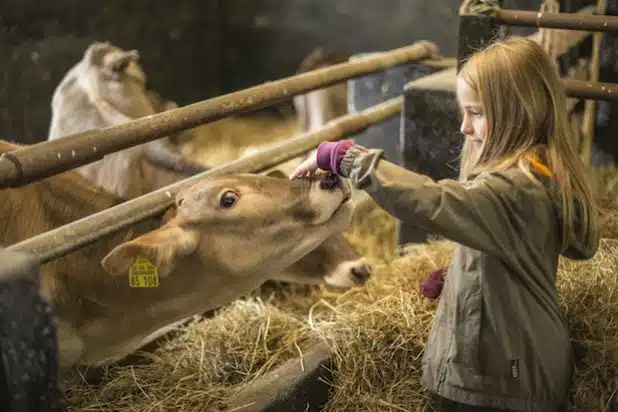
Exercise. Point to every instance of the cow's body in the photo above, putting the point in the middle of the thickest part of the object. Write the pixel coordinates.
(233, 137)
(107, 88)
(316, 108)
(206, 257)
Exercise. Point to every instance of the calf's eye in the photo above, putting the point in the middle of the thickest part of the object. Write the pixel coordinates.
(228, 199)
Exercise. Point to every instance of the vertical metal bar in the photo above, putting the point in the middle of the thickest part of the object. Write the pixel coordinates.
(590, 109)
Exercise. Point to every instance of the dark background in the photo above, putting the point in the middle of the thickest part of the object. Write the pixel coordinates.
(196, 49)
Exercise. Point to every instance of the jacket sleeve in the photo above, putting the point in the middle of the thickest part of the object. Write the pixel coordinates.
(474, 214)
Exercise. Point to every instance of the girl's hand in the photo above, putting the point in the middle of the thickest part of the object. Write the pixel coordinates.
(307, 168)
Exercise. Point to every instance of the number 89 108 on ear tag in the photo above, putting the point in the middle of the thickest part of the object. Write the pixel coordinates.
(143, 274)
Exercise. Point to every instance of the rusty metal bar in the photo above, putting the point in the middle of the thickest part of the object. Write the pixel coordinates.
(590, 90)
(47, 158)
(568, 21)
(65, 239)
(440, 63)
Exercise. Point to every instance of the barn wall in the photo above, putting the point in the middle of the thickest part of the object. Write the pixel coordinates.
(40, 41)
(265, 39)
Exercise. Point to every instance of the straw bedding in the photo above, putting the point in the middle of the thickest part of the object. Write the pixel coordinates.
(378, 334)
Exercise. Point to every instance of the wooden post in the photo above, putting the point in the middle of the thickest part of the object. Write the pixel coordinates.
(590, 110)
(475, 31)
(430, 139)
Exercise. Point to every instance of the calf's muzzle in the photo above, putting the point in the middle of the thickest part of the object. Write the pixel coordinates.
(330, 181)
(361, 273)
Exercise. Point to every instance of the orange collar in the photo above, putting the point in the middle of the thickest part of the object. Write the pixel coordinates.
(536, 164)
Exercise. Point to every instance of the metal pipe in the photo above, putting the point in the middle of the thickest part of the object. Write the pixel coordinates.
(590, 90)
(568, 21)
(440, 63)
(47, 158)
(65, 239)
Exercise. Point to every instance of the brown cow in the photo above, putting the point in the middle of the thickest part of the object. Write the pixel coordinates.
(223, 238)
(211, 144)
(107, 88)
(316, 108)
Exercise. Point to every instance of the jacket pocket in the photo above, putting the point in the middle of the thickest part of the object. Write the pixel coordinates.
(467, 338)
(469, 313)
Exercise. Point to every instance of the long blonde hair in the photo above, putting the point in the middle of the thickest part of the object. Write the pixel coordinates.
(525, 107)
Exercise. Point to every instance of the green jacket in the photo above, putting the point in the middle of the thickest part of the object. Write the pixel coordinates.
(499, 336)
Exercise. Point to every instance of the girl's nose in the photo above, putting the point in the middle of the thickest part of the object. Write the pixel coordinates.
(466, 128)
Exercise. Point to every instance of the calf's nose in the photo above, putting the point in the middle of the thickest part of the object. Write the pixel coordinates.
(330, 181)
(361, 273)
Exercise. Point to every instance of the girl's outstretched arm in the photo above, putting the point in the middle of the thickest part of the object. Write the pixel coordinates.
(492, 213)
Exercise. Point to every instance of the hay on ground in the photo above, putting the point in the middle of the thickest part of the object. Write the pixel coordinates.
(203, 366)
(589, 295)
(605, 180)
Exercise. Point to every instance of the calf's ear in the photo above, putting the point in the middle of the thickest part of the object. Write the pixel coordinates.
(161, 247)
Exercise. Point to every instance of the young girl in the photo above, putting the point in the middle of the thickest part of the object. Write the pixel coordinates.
(499, 340)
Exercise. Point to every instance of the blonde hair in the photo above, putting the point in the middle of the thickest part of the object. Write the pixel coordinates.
(526, 112)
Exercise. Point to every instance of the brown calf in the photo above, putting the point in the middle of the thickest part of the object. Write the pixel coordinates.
(316, 108)
(224, 237)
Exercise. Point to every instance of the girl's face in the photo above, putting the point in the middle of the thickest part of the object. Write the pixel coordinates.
(474, 123)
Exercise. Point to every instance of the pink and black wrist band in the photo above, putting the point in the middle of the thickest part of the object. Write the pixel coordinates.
(330, 154)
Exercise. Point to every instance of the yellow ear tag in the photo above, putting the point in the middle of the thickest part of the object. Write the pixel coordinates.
(143, 274)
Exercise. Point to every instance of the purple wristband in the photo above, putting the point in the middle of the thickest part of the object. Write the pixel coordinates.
(330, 154)
(431, 286)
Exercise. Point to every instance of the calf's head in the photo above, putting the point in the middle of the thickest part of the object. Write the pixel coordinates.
(115, 76)
(113, 63)
(241, 225)
(335, 262)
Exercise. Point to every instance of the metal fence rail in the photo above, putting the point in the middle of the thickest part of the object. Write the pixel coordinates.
(60, 241)
(567, 21)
